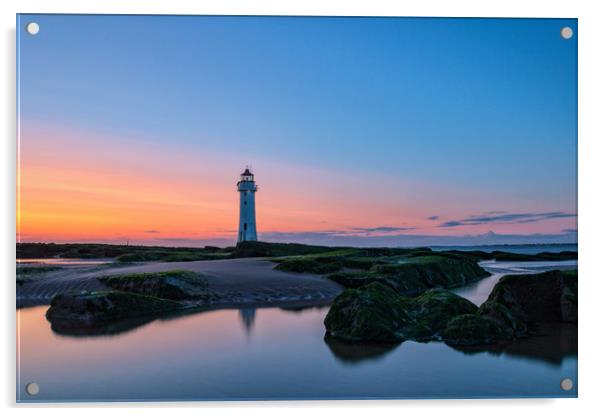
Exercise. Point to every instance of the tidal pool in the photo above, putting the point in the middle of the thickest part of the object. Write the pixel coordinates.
(273, 353)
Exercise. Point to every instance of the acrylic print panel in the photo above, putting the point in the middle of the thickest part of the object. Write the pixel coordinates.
(220, 208)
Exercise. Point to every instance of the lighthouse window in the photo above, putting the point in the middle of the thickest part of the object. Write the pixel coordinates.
(245, 226)
(245, 202)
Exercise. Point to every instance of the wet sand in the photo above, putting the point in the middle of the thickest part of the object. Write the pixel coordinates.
(235, 282)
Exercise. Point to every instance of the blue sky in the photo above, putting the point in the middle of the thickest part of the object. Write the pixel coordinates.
(485, 106)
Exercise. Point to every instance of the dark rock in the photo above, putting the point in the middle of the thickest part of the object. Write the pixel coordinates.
(377, 313)
(173, 284)
(374, 313)
(106, 306)
(415, 275)
(544, 297)
(471, 329)
(310, 265)
(509, 324)
(432, 311)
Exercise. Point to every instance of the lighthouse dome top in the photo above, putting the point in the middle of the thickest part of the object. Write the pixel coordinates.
(247, 175)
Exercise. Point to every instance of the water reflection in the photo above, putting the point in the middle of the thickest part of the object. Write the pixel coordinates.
(80, 328)
(84, 329)
(352, 353)
(549, 343)
(247, 317)
(207, 355)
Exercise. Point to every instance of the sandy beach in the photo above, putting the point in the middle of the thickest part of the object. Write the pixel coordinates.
(236, 282)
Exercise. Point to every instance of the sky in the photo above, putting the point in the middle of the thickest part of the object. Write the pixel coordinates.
(360, 131)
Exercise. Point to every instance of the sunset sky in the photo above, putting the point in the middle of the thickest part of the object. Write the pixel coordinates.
(359, 131)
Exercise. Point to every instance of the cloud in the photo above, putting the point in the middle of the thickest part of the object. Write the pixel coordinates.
(451, 224)
(151, 231)
(382, 229)
(226, 230)
(433, 217)
(507, 218)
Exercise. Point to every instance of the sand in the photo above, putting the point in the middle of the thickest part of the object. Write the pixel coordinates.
(249, 282)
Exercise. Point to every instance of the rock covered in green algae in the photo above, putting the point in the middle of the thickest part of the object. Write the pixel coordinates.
(510, 325)
(309, 265)
(416, 275)
(106, 306)
(326, 263)
(545, 297)
(432, 311)
(377, 313)
(172, 284)
(373, 313)
(472, 329)
(516, 301)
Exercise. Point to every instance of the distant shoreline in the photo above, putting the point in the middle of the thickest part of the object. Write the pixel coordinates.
(184, 247)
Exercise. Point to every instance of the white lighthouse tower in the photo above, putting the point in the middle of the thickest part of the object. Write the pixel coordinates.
(247, 228)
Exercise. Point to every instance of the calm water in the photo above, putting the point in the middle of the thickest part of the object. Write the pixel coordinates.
(273, 353)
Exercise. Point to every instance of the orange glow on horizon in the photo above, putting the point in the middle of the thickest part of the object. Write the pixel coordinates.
(72, 189)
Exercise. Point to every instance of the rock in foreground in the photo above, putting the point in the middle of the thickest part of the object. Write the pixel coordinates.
(543, 297)
(471, 329)
(373, 313)
(106, 306)
(173, 284)
(377, 313)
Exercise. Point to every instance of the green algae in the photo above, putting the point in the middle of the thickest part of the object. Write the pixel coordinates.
(172, 284)
(101, 306)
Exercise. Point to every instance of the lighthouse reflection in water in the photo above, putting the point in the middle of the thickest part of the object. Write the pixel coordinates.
(247, 317)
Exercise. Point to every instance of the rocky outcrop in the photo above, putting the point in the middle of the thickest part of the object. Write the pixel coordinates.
(416, 275)
(471, 329)
(310, 265)
(173, 284)
(543, 297)
(515, 304)
(132, 295)
(374, 313)
(377, 313)
(106, 306)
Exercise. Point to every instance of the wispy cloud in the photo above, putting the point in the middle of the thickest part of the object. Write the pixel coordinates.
(151, 231)
(360, 232)
(433, 217)
(381, 229)
(506, 218)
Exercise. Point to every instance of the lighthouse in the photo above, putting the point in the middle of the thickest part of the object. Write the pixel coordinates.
(247, 229)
